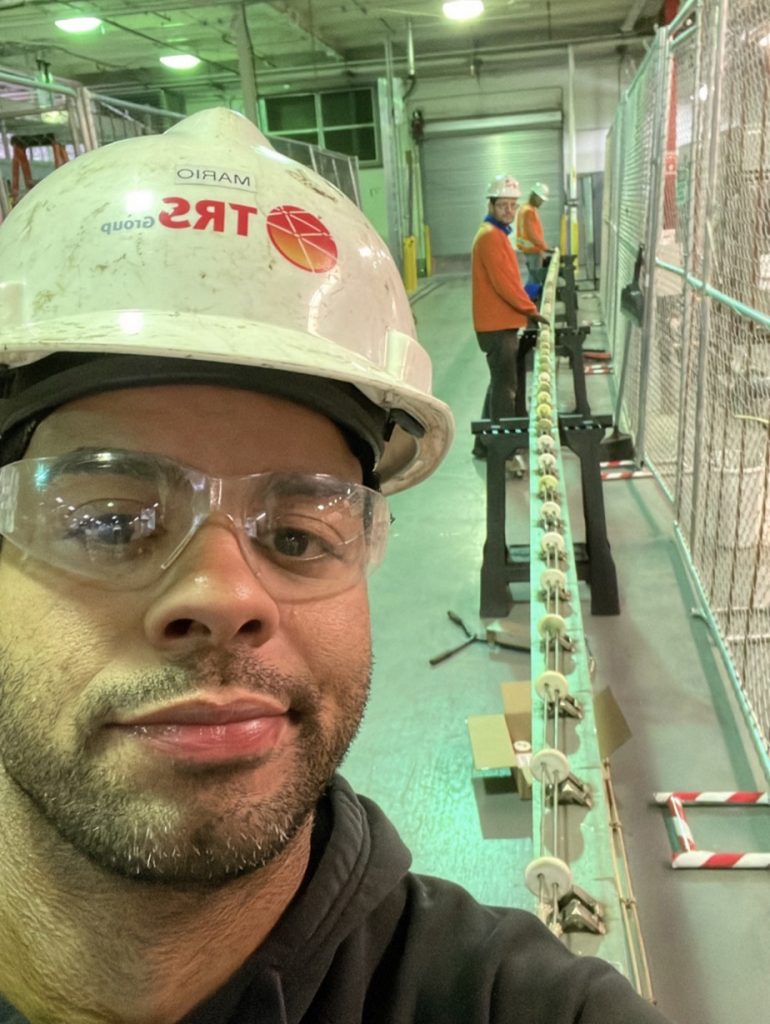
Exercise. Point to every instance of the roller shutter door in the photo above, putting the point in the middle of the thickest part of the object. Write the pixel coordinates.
(460, 158)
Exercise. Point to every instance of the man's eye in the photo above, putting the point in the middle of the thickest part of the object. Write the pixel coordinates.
(294, 543)
(117, 529)
(111, 525)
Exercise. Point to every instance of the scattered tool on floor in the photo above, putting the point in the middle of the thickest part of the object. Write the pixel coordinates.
(495, 634)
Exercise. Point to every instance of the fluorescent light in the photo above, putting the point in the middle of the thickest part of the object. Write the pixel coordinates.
(78, 24)
(764, 41)
(180, 61)
(463, 10)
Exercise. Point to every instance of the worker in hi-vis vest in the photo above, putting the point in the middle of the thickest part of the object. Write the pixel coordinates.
(530, 242)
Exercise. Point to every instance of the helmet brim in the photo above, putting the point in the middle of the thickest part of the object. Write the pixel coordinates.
(406, 459)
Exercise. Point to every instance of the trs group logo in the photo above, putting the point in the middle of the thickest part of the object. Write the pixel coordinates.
(301, 238)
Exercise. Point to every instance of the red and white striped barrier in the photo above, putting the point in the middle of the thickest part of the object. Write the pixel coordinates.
(709, 859)
(715, 798)
(625, 474)
(590, 370)
(688, 855)
(684, 836)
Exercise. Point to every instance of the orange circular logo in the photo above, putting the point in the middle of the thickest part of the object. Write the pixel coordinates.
(301, 238)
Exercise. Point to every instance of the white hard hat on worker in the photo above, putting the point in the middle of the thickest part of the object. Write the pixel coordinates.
(503, 186)
(541, 190)
(203, 250)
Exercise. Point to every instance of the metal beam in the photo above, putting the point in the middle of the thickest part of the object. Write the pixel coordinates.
(633, 15)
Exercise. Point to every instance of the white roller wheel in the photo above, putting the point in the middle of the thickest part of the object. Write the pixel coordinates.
(544, 378)
(549, 764)
(546, 444)
(552, 625)
(546, 463)
(551, 686)
(547, 485)
(552, 541)
(553, 579)
(544, 395)
(548, 873)
(550, 511)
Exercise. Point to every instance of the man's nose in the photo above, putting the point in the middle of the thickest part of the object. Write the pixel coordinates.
(210, 596)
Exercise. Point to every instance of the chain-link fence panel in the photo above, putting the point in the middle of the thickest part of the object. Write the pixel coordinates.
(631, 195)
(699, 131)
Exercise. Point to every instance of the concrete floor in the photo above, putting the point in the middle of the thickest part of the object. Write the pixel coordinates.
(706, 931)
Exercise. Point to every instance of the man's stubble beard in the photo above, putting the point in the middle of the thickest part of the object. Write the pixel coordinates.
(150, 837)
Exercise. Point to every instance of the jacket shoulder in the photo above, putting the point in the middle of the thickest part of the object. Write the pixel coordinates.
(467, 963)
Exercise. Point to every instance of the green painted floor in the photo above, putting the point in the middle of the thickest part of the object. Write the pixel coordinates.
(706, 932)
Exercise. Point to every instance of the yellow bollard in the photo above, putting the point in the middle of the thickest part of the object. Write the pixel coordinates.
(410, 263)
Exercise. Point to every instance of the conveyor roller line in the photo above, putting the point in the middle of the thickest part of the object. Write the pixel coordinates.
(560, 660)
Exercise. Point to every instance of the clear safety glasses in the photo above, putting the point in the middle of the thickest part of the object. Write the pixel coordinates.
(122, 518)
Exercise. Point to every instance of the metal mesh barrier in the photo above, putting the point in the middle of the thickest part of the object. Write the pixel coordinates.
(691, 141)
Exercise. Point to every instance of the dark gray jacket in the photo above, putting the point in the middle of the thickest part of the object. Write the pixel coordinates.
(367, 941)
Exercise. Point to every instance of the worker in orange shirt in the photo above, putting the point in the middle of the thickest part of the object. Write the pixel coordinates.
(529, 232)
(501, 307)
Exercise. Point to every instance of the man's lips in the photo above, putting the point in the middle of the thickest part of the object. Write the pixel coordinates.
(206, 712)
(207, 731)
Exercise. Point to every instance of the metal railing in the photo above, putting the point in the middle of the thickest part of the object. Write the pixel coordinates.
(81, 119)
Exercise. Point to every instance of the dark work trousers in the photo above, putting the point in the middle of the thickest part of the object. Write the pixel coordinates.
(500, 348)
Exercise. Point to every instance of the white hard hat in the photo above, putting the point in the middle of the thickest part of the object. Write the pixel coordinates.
(504, 186)
(214, 258)
(542, 190)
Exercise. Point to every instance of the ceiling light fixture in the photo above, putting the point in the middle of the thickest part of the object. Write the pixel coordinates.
(78, 24)
(180, 61)
(463, 10)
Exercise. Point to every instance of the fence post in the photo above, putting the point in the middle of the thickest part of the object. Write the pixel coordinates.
(651, 242)
(715, 92)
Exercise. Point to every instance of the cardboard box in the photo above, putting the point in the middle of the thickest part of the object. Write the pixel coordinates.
(517, 710)
(490, 743)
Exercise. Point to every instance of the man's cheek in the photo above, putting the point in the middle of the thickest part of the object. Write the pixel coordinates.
(330, 630)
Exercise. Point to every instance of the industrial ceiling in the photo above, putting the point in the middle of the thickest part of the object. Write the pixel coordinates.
(301, 43)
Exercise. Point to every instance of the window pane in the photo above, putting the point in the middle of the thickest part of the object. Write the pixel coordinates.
(310, 137)
(290, 113)
(358, 142)
(354, 107)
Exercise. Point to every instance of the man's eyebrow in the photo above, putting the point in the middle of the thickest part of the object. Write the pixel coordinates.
(100, 460)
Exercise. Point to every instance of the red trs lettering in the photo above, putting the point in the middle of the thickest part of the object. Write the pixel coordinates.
(209, 212)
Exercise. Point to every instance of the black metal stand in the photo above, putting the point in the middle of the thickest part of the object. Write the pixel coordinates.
(566, 289)
(502, 563)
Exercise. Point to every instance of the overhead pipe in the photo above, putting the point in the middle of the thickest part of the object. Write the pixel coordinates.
(246, 66)
(375, 66)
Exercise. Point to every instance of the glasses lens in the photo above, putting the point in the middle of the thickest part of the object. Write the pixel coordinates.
(104, 515)
(314, 533)
(124, 517)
